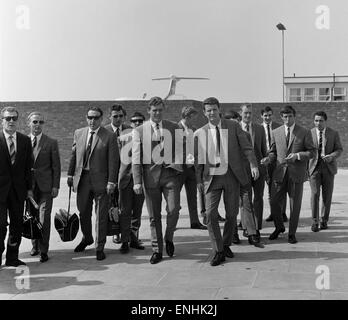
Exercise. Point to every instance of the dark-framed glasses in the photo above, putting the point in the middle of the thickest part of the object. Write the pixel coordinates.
(8, 119)
(137, 120)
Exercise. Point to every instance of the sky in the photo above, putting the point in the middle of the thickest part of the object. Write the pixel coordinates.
(109, 49)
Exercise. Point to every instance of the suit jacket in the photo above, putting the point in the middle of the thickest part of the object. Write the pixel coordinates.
(301, 142)
(125, 173)
(333, 147)
(46, 169)
(19, 174)
(144, 169)
(104, 158)
(238, 145)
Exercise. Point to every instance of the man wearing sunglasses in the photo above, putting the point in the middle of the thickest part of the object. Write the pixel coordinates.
(46, 179)
(93, 173)
(15, 183)
(117, 125)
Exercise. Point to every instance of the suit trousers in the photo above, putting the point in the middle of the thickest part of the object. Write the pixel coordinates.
(169, 186)
(188, 178)
(258, 186)
(321, 178)
(45, 201)
(229, 184)
(295, 192)
(269, 181)
(14, 208)
(247, 211)
(131, 205)
(85, 196)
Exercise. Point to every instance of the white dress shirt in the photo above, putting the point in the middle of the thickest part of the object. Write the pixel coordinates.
(323, 140)
(14, 139)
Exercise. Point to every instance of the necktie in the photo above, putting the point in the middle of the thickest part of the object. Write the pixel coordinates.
(34, 142)
(218, 141)
(118, 132)
(12, 150)
(288, 137)
(247, 127)
(320, 144)
(88, 150)
(269, 136)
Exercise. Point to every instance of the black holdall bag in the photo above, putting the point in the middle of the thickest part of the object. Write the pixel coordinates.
(114, 215)
(32, 227)
(67, 224)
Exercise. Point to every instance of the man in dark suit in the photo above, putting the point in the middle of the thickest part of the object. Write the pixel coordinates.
(46, 179)
(291, 148)
(219, 146)
(157, 168)
(269, 125)
(258, 140)
(189, 176)
(15, 183)
(117, 125)
(322, 169)
(93, 173)
(131, 204)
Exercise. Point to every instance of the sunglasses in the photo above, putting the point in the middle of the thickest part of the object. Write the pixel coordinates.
(137, 120)
(93, 117)
(8, 119)
(117, 116)
(38, 121)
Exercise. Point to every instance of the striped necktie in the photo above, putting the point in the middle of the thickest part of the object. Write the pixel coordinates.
(12, 150)
(34, 142)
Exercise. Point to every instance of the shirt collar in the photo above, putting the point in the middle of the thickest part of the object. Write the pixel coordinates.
(317, 130)
(96, 131)
(291, 128)
(244, 124)
(153, 124)
(7, 135)
(266, 124)
(38, 137)
(213, 126)
(115, 128)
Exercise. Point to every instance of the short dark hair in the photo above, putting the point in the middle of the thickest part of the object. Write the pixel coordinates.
(231, 114)
(94, 108)
(266, 109)
(211, 101)
(321, 114)
(155, 101)
(138, 115)
(118, 107)
(288, 109)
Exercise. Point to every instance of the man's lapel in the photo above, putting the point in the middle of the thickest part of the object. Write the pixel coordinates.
(315, 138)
(42, 143)
(3, 145)
(96, 138)
(292, 136)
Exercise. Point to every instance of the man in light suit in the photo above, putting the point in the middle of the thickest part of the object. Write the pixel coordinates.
(131, 204)
(269, 125)
(46, 179)
(118, 126)
(157, 167)
(291, 148)
(189, 176)
(15, 183)
(219, 146)
(322, 169)
(93, 175)
(258, 139)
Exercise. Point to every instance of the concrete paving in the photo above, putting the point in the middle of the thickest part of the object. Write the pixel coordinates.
(314, 268)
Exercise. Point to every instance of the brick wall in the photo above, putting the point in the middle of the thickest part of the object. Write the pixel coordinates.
(63, 117)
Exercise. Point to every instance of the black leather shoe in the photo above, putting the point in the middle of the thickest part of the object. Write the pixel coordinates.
(315, 227)
(198, 225)
(116, 239)
(82, 246)
(170, 248)
(228, 252)
(124, 247)
(136, 245)
(221, 219)
(235, 239)
(100, 255)
(254, 240)
(285, 218)
(323, 225)
(292, 239)
(245, 234)
(240, 227)
(15, 263)
(43, 257)
(34, 252)
(218, 258)
(269, 218)
(274, 235)
(156, 257)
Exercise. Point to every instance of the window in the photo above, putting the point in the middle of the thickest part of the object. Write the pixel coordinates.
(339, 94)
(295, 94)
(309, 94)
(324, 94)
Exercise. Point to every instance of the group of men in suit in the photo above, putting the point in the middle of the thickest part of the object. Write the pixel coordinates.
(156, 158)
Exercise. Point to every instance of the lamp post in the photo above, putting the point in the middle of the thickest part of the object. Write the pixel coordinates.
(282, 28)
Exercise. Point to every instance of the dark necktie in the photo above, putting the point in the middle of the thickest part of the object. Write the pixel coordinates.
(88, 150)
(320, 144)
(269, 136)
(12, 150)
(247, 127)
(218, 141)
(288, 137)
(34, 142)
(117, 132)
